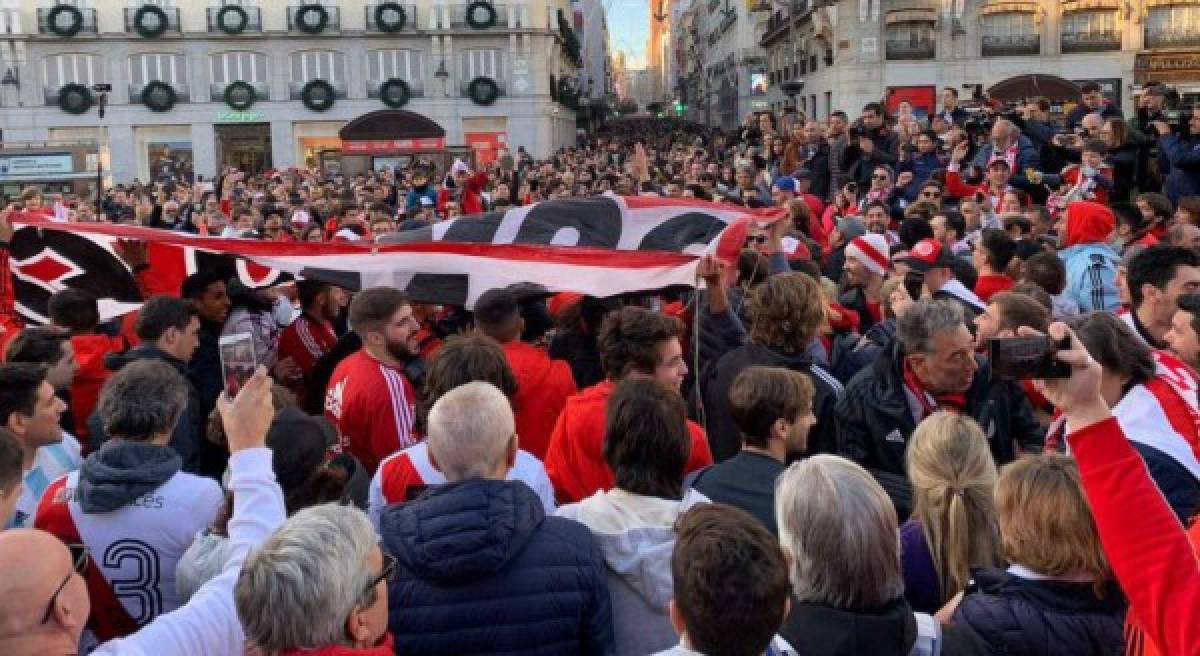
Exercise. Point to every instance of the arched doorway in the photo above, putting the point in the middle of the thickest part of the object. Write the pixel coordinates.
(391, 138)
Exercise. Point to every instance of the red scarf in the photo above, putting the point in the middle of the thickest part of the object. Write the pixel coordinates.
(930, 402)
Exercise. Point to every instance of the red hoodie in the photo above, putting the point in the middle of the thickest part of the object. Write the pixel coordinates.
(85, 390)
(1088, 222)
(471, 199)
(575, 458)
(543, 387)
(1149, 551)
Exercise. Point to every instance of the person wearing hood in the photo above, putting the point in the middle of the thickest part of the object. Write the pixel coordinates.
(263, 314)
(934, 260)
(168, 330)
(463, 187)
(838, 531)
(78, 311)
(543, 385)
(931, 366)
(1091, 261)
(787, 311)
(479, 563)
(646, 445)
(130, 503)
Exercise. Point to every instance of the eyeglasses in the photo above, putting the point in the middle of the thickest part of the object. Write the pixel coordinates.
(931, 194)
(79, 563)
(389, 568)
(879, 176)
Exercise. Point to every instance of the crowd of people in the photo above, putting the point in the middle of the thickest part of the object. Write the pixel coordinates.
(817, 451)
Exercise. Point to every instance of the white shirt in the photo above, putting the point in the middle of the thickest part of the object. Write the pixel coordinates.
(50, 463)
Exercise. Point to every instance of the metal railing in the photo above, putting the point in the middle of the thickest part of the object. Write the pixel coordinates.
(410, 18)
(500, 84)
(458, 16)
(1012, 44)
(1097, 41)
(295, 89)
(907, 49)
(182, 93)
(1176, 36)
(253, 19)
(416, 88)
(334, 24)
(171, 12)
(216, 92)
(89, 21)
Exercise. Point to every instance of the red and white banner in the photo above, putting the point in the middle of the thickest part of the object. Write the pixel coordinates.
(599, 246)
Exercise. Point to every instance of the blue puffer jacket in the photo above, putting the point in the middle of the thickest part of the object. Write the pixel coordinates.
(482, 569)
(1014, 615)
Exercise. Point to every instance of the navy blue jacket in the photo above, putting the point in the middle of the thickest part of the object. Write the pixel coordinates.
(1012, 615)
(482, 569)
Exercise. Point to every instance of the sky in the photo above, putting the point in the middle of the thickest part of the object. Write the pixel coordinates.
(629, 29)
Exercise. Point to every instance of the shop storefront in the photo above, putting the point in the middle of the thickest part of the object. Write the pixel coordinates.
(59, 170)
(1180, 69)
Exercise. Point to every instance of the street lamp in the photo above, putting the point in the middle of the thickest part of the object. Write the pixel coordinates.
(101, 91)
(442, 74)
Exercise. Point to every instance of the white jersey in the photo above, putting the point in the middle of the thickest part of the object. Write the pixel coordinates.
(403, 473)
(137, 546)
(50, 463)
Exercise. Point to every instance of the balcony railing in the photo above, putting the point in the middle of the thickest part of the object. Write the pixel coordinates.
(500, 85)
(907, 49)
(253, 19)
(1013, 44)
(182, 94)
(416, 88)
(334, 24)
(458, 16)
(216, 92)
(1098, 41)
(1177, 36)
(410, 18)
(779, 22)
(171, 12)
(296, 89)
(89, 21)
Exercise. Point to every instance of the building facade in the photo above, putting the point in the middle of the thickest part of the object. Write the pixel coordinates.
(850, 53)
(267, 84)
(595, 79)
(719, 55)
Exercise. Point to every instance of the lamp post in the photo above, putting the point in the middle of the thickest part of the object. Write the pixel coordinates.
(442, 74)
(101, 91)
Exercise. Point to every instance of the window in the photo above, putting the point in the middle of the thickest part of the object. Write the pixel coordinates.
(408, 65)
(225, 68)
(1090, 31)
(485, 63)
(161, 67)
(328, 65)
(1173, 26)
(70, 68)
(1010, 33)
(911, 40)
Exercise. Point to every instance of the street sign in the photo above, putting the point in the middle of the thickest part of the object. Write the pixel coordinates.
(241, 117)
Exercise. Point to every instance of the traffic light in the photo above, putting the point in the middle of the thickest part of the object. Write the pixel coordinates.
(679, 108)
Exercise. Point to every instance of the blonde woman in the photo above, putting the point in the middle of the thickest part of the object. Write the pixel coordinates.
(1057, 595)
(953, 525)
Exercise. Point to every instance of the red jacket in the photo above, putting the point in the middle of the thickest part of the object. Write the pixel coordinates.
(575, 458)
(385, 648)
(85, 390)
(305, 341)
(543, 386)
(471, 199)
(1149, 552)
(988, 285)
(373, 406)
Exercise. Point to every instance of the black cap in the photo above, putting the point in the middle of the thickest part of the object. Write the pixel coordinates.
(299, 444)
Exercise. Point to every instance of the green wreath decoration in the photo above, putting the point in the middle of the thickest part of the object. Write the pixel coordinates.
(236, 26)
(305, 26)
(70, 29)
(150, 31)
(395, 93)
(318, 95)
(488, 21)
(386, 9)
(240, 95)
(483, 90)
(75, 99)
(159, 96)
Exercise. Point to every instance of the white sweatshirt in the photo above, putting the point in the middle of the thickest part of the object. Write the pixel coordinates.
(208, 624)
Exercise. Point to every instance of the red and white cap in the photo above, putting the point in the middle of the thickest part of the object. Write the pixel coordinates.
(872, 251)
(929, 254)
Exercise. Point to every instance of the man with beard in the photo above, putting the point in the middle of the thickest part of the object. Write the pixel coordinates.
(369, 398)
(867, 261)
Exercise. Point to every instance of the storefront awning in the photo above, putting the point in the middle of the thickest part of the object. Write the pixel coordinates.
(388, 124)
(1021, 87)
(910, 15)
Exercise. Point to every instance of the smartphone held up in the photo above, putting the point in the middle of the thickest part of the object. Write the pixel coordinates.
(238, 361)
(1018, 358)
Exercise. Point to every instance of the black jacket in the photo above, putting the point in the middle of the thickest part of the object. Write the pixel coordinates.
(1075, 116)
(875, 422)
(723, 436)
(1012, 615)
(188, 437)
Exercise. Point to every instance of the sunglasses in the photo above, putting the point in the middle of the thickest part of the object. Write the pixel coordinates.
(79, 563)
(931, 194)
(878, 176)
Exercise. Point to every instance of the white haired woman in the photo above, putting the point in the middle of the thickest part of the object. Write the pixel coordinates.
(318, 586)
(838, 528)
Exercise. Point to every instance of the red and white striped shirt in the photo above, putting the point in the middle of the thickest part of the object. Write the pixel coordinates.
(372, 404)
(305, 340)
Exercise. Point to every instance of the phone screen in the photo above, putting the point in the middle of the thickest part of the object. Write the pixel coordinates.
(237, 361)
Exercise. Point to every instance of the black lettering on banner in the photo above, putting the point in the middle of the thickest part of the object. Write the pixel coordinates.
(597, 220)
(143, 587)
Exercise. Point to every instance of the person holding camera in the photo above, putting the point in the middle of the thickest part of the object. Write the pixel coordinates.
(1179, 155)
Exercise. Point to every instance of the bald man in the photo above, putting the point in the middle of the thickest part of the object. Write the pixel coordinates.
(43, 599)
